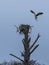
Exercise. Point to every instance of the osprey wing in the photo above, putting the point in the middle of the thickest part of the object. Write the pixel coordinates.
(32, 11)
(40, 13)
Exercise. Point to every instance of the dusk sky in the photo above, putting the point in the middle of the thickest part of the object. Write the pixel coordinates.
(16, 12)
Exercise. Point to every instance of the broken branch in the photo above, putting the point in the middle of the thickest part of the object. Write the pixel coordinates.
(16, 57)
(35, 41)
(34, 49)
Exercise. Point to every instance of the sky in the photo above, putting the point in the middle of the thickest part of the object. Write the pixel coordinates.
(16, 12)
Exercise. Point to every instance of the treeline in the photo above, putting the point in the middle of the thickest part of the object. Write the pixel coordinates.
(20, 63)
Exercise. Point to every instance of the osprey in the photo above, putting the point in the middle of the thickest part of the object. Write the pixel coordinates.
(36, 15)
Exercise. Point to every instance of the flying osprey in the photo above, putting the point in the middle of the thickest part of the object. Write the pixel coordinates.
(36, 15)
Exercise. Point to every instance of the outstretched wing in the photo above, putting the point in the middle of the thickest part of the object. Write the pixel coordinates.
(32, 11)
(40, 13)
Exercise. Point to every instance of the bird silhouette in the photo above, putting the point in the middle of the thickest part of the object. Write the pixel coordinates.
(36, 15)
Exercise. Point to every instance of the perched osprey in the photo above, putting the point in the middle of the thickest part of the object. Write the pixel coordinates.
(36, 15)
